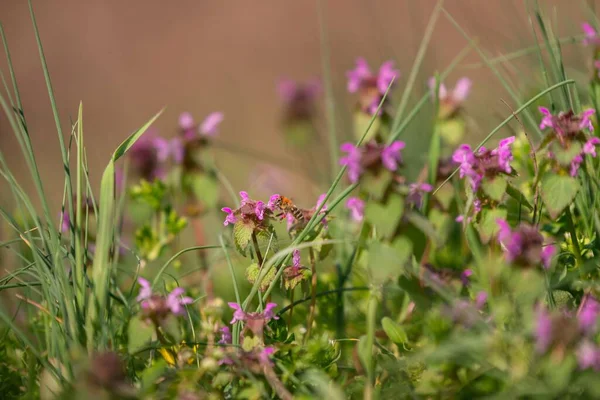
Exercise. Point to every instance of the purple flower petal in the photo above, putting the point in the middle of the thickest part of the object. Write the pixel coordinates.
(186, 121)
(210, 125)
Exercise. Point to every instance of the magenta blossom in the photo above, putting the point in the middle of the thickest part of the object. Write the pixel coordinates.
(465, 277)
(352, 161)
(543, 331)
(371, 87)
(249, 210)
(156, 307)
(210, 125)
(588, 148)
(457, 96)
(291, 91)
(416, 192)
(265, 354)
(588, 314)
(525, 245)
(475, 165)
(357, 208)
(240, 315)
(226, 337)
(588, 355)
(567, 124)
(148, 154)
(591, 36)
(371, 156)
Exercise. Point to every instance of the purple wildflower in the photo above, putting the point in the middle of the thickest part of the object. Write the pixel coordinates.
(156, 307)
(590, 146)
(186, 121)
(147, 154)
(543, 331)
(65, 222)
(230, 218)
(484, 163)
(241, 315)
(210, 125)
(588, 355)
(390, 155)
(299, 98)
(416, 191)
(356, 207)
(524, 245)
(588, 314)
(351, 161)
(465, 277)
(175, 301)
(457, 96)
(265, 355)
(226, 337)
(371, 87)
(566, 124)
(145, 291)
(591, 36)
(481, 299)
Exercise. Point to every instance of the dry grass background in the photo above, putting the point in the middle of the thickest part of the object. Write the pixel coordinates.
(127, 59)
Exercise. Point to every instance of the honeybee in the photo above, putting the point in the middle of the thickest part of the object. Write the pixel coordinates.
(287, 206)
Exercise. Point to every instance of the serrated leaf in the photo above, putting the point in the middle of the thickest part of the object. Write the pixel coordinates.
(394, 331)
(265, 241)
(488, 225)
(253, 272)
(385, 218)
(242, 235)
(140, 333)
(562, 298)
(494, 188)
(558, 191)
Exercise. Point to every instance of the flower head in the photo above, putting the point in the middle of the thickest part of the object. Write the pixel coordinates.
(299, 98)
(371, 87)
(145, 291)
(356, 207)
(148, 154)
(450, 102)
(484, 163)
(390, 155)
(226, 337)
(591, 36)
(416, 191)
(156, 307)
(566, 124)
(588, 355)
(248, 211)
(525, 245)
(210, 125)
(351, 161)
(588, 314)
(543, 330)
(230, 218)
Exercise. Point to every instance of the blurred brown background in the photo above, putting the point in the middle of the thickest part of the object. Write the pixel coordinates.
(127, 59)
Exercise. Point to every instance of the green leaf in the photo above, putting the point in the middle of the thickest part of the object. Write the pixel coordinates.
(385, 218)
(563, 298)
(423, 224)
(558, 191)
(140, 333)
(242, 235)
(518, 196)
(253, 272)
(364, 350)
(387, 261)
(152, 374)
(565, 156)
(376, 185)
(361, 123)
(263, 237)
(394, 331)
(206, 189)
(494, 188)
(488, 225)
(452, 131)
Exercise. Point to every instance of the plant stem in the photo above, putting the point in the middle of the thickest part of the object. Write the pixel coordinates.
(369, 365)
(573, 233)
(313, 292)
(257, 250)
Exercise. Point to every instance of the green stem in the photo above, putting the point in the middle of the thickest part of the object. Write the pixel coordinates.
(369, 361)
(571, 229)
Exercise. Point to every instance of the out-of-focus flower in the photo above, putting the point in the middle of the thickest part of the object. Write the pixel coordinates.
(65, 222)
(588, 314)
(543, 330)
(371, 87)
(370, 156)
(451, 101)
(230, 218)
(147, 155)
(156, 307)
(465, 277)
(588, 355)
(591, 36)
(240, 315)
(484, 163)
(299, 98)
(524, 245)
(356, 207)
(225, 335)
(210, 125)
(416, 191)
(265, 354)
(567, 124)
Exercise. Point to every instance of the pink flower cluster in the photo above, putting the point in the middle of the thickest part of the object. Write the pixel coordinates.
(565, 330)
(524, 245)
(475, 165)
(248, 209)
(358, 159)
(371, 87)
(157, 307)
